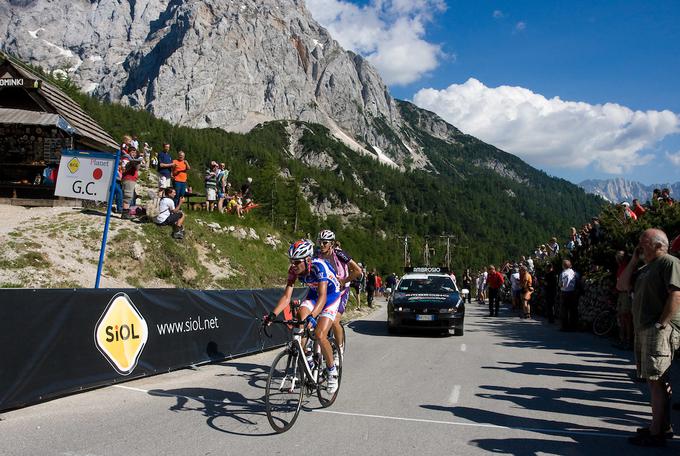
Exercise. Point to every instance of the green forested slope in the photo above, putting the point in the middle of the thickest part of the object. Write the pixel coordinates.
(459, 196)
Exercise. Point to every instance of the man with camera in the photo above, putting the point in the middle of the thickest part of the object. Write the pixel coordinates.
(656, 317)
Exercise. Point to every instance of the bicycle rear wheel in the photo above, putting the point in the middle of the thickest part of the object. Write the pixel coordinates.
(283, 395)
(604, 323)
(325, 398)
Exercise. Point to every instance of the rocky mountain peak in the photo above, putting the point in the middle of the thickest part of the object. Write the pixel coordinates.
(211, 63)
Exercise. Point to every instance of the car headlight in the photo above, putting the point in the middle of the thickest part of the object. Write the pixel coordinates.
(403, 309)
(451, 310)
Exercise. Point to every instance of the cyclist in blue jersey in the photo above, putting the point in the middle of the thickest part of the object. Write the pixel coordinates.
(322, 300)
(346, 270)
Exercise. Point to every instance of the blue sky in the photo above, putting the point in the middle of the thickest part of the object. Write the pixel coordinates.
(494, 68)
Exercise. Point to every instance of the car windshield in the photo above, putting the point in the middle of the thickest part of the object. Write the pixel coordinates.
(429, 285)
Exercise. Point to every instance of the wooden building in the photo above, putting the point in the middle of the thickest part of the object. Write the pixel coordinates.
(37, 121)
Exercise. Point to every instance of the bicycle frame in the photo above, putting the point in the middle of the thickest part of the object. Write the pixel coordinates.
(298, 355)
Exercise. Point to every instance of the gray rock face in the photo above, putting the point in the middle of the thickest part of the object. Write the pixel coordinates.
(211, 63)
(619, 189)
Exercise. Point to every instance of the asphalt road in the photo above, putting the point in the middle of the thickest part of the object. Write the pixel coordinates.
(507, 386)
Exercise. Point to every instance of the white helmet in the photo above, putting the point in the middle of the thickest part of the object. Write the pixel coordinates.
(301, 249)
(326, 235)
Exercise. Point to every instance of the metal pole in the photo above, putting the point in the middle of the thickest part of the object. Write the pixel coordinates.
(108, 219)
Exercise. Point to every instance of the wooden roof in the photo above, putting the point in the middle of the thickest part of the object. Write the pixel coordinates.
(55, 101)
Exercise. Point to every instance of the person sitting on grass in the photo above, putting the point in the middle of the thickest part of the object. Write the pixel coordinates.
(235, 206)
(171, 215)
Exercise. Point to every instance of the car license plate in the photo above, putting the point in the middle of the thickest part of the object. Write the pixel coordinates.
(424, 317)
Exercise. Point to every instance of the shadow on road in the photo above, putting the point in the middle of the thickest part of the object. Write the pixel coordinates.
(227, 411)
(379, 328)
(615, 401)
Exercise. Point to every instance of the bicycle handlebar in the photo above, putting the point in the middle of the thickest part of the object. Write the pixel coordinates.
(294, 322)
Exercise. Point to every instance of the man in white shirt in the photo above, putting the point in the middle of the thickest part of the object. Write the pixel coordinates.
(171, 215)
(516, 288)
(569, 294)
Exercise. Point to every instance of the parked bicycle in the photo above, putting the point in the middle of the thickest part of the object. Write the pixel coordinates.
(292, 376)
(605, 321)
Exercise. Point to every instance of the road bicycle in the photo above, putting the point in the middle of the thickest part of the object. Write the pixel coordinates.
(291, 376)
(605, 321)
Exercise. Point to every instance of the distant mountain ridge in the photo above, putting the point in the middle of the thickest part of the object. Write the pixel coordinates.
(619, 189)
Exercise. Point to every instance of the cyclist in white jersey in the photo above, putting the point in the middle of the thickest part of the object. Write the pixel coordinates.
(346, 270)
(322, 300)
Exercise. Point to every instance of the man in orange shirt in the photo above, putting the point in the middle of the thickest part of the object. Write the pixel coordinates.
(494, 282)
(179, 176)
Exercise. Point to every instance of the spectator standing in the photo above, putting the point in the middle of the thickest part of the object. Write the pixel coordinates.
(550, 292)
(211, 186)
(370, 287)
(666, 197)
(246, 189)
(129, 180)
(134, 142)
(379, 285)
(569, 297)
(574, 240)
(553, 247)
(356, 284)
(467, 284)
(624, 306)
(171, 215)
(595, 232)
(391, 282)
(222, 175)
(481, 286)
(638, 209)
(147, 155)
(515, 289)
(164, 168)
(656, 319)
(118, 189)
(494, 282)
(526, 289)
(530, 265)
(628, 213)
(180, 173)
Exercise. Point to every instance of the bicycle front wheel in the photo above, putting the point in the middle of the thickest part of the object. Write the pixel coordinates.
(283, 395)
(604, 323)
(325, 397)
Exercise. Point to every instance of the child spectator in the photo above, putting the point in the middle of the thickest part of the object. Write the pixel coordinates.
(171, 215)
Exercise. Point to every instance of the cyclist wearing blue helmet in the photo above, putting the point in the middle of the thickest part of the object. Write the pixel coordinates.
(322, 300)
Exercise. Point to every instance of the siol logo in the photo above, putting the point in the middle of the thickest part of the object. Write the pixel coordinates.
(73, 165)
(121, 333)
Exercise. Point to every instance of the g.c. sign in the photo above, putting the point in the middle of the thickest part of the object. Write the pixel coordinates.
(85, 175)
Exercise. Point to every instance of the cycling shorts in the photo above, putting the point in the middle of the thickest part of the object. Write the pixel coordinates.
(344, 297)
(330, 310)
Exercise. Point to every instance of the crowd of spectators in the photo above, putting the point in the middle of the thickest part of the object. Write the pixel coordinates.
(173, 184)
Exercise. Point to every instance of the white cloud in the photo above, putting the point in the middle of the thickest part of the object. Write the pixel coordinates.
(520, 26)
(674, 158)
(389, 33)
(498, 14)
(552, 132)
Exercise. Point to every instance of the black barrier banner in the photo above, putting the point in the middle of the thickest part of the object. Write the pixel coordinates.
(56, 342)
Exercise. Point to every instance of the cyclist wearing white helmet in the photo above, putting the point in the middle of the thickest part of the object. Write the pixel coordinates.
(346, 269)
(322, 300)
